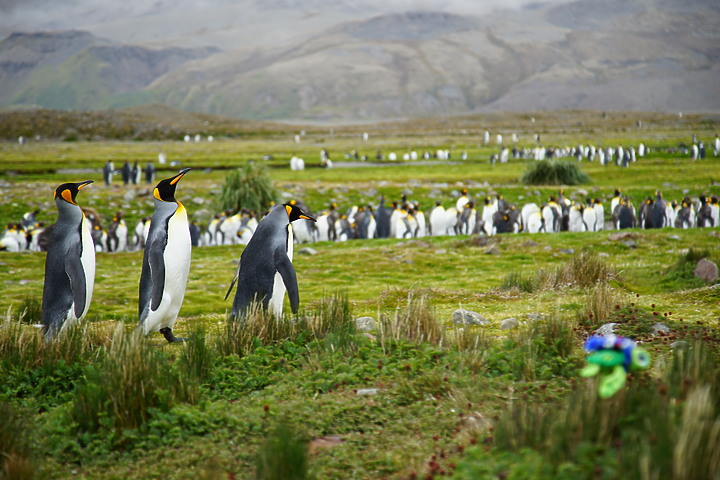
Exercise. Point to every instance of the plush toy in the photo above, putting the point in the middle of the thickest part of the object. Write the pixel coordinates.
(612, 357)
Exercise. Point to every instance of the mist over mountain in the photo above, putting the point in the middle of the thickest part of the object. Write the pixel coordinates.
(365, 60)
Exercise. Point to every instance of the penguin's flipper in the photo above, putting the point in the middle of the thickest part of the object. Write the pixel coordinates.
(286, 270)
(156, 261)
(76, 274)
(234, 280)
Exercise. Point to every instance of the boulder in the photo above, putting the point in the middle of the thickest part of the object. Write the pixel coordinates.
(508, 323)
(468, 317)
(365, 324)
(706, 270)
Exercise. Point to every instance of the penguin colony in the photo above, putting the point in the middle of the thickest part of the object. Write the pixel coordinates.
(266, 274)
(402, 219)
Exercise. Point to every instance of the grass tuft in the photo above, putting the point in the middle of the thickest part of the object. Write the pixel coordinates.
(284, 456)
(16, 460)
(248, 187)
(132, 380)
(417, 323)
(554, 172)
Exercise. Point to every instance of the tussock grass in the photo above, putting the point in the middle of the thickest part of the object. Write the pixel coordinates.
(247, 187)
(258, 327)
(598, 305)
(24, 346)
(16, 454)
(284, 455)
(416, 322)
(585, 269)
(132, 380)
(554, 172)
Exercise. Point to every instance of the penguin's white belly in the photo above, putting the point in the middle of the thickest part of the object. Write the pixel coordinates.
(275, 305)
(88, 262)
(177, 269)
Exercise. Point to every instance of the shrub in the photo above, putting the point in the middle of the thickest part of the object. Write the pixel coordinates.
(248, 187)
(284, 456)
(15, 445)
(416, 322)
(554, 172)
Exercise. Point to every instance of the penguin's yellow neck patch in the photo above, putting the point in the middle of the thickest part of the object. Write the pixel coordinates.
(156, 194)
(67, 196)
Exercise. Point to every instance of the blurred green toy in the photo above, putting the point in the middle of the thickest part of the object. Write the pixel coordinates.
(612, 357)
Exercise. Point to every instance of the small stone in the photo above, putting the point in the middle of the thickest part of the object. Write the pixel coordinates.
(673, 237)
(679, 345)
(493, 250)
(307, 251)
(706, 270)
(603, 254)
(365, 324)
(508, 323)
(606, 329)
(630, 243)
(367, 391)
(441, 251)
(198, 201)
(660, 327)
(468, 317)
(535, 317)
(567, 251)
(529, 244)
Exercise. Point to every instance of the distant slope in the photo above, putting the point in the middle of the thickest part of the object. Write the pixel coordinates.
(649, 55)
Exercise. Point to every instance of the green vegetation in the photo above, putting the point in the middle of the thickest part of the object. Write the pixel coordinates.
(415, 397)
(554, 172)
(248, 187)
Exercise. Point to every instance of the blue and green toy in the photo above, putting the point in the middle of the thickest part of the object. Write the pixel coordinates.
(612, 357)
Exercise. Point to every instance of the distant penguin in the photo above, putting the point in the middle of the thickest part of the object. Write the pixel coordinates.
(108, 171)
(658, 212)
(126, 173)
(166, 262)
(382, 219)
(69, 265)
(266, 271)
(624, 215)
(644, 215)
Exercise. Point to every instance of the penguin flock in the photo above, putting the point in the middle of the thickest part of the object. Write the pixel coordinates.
(265, 272)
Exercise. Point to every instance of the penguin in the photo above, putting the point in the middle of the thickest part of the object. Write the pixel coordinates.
(658, 212)
(266, 271)
(69, 264)
(166, 262)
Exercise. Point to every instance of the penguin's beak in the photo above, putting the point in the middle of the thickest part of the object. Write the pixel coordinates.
(84, 184)
(177, 177)
(307, 217)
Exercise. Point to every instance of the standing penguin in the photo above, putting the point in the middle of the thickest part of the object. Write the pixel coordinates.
(166, 262)
(266, 268)
(69, 265)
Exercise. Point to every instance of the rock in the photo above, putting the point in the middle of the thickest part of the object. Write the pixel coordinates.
(529, 244)
(630, 243)
(673, 237)
(706, 270)
(493, 250)
(603, 254)
(567, 251)
(679, 345)
(508, 323)
(365, 324)
(129, 195)
(606, 329)
(198, 201)
(441, 251)
(660, 327)
(468, 317)
(307, 251)
(621, 236)
(535, 317)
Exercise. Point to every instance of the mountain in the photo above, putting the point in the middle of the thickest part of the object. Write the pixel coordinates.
(321, 60)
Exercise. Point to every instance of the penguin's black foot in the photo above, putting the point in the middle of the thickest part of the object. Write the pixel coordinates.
(168, 334)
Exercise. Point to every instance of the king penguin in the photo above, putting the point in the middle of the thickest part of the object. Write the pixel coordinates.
(166, 262)
(69, 265)
(266, 271)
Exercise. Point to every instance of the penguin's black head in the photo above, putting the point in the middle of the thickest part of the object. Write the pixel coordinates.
(294, 213)
(68, 191)
(165, 190)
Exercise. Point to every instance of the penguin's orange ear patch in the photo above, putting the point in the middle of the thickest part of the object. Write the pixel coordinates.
(67, 196)
(288, 209)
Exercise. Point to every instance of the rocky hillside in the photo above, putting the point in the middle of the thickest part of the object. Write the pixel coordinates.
(362, 65)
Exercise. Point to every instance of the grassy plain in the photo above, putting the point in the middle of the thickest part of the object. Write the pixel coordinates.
(436, 404)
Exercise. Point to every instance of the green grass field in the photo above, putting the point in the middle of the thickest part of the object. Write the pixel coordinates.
(418, 398)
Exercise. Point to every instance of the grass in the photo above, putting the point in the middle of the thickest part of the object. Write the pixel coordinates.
(418, 397)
